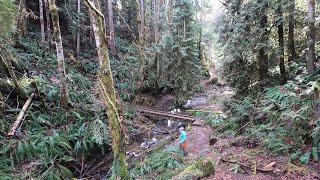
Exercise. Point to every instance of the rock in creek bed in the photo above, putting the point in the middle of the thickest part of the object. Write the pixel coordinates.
(195, 102)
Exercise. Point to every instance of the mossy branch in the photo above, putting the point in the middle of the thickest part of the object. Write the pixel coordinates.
(95, 9)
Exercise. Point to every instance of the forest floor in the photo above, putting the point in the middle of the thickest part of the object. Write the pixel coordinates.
(238, 157)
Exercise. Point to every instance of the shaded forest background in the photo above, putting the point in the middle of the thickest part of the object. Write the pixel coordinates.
(266, 50)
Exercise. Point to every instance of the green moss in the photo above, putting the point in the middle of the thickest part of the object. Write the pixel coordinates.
(190, 172)
(206, 166)
(201, 168)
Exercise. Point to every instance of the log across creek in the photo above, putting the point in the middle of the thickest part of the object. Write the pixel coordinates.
(167, 114)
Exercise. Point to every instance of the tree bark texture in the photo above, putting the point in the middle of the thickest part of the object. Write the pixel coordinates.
(140, 22)
(108, 92)
(156, 20)
(262, 54)
(78, 31)
(60, 56)
(22, 18)
(291, 41)
(43, 36)
(48, 24)
(281, 44)
(156, 13)
(111, 29)
(312, 37)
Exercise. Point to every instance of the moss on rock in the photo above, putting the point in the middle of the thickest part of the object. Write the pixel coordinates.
(201, 168)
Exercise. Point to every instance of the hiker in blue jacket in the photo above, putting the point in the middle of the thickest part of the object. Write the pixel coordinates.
(183, 141)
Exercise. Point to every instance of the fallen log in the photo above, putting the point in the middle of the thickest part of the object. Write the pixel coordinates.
(198, 123)
(204, 111)
(162, 132)
(180, 114)
(244, 166)
(21, 115)
(167, 114)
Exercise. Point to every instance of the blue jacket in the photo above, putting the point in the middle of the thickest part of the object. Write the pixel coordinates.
(183, 137)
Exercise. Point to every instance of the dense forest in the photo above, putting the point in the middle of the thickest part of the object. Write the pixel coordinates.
(107, 89)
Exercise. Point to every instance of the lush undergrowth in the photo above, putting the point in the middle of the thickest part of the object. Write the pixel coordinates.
(51, 140)
(281, 117)
(159, 165)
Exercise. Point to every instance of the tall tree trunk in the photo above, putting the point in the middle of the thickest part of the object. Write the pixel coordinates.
(140, 19)
(106, 84)
(262, 55)
(48, 25)
(281, 43)
(140, 22)
(291, 41)
(201, 57)
(21, 21)
(43, 36)
(60, 56)
(78, 31)
(311, 69)
(22, 18)
(106, 15)
(156, 12)
(311, 37)
(111, 29)
(156, 20)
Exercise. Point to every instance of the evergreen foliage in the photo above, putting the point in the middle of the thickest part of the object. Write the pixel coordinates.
(172, 55)
(7, 16)
(285, 118)
(178, 52)
(161, 164)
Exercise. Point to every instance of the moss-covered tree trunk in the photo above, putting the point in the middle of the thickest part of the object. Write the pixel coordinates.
(111, 29)
(48, 25)
(22, 18)
(60, 56)
(108, 92)
(43, 37)
(140, 22)
(78, 30)
(156, 13)
(291, 41)
(262, 54)
(281, 43)
(312, 37)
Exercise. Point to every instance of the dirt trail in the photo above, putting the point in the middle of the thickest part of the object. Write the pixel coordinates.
(241, 149)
